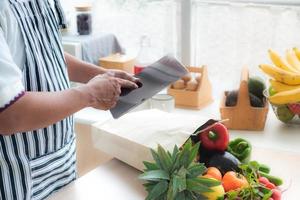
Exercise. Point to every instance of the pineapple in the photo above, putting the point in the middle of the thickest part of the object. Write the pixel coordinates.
(176, 175)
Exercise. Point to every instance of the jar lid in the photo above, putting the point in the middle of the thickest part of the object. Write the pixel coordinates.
(83, 7)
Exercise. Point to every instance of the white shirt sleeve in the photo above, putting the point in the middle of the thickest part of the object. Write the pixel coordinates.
(11, 86)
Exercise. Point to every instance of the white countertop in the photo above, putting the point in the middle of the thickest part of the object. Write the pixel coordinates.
(275, 136)
(116, 180)
(111, 181)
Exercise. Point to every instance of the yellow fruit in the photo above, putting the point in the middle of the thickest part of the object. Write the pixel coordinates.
(286, 97)
(297, 52)
(279, 62)
(281, 75)
(281, 87)
(218, 191)
(292, 59)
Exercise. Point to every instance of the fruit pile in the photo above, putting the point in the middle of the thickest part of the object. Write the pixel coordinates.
(284, 90)
(256, 87)
(189, 82)
(218, 169)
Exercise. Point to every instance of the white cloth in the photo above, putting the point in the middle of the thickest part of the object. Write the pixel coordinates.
(12, 56)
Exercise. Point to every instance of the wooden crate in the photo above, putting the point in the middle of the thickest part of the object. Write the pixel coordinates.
(118, 61)
(194, 99)
(243, 116)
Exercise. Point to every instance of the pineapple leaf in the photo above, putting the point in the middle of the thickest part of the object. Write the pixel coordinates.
(158, 190)
(176, 162)
(181, 180)
(175, 175)
(188, 144)
(175, 153)
(195, 186)
(200, 197)
(181, 196)
(184, 157)
(165, 159)
(171, 193)
(196, 169)
(156, 158)
(149, 186)
(154, 175)
(150, 166)
(193, 154)
(208, 182)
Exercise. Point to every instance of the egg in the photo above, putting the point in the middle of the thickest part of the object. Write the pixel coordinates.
(179, 85)
(186, 78)
(192, 85)
(198, 78)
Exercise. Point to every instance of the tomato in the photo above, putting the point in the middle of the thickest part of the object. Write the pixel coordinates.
(218, 191)
(233, 181)
(214, 172)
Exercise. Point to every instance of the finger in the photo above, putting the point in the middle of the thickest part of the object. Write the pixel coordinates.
(127, 84)
(129, 77)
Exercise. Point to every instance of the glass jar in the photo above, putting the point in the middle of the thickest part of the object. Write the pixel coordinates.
(145, 56)
(84, 19)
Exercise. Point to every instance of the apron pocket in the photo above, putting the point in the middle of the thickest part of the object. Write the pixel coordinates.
(53, 171)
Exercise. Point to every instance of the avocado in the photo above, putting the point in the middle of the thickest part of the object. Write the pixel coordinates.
(231, 98)
(224, 162)
(255, 101)
(284, 114)
(256, 86)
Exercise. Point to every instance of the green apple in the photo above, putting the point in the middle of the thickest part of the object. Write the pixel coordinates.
(284, 114)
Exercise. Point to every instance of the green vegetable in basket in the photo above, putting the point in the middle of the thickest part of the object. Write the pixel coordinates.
(241, 149)
(177, 175)
(284, 114)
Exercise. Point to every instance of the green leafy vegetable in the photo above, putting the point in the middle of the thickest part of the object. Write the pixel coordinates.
(255, 191)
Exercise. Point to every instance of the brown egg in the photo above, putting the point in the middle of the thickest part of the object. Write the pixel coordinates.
(187, 77)
(198, 78)
(179, 85)
(192, 85)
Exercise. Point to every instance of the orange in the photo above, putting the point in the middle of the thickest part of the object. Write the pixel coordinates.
(234, 181)
(214, 172)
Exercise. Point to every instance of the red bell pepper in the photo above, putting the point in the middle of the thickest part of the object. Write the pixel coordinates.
(215, 137)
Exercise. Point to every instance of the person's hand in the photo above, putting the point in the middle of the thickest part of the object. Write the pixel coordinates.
(122, 75)
(104, 90)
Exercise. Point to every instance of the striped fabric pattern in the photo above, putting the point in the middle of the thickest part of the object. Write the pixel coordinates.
(37, 163)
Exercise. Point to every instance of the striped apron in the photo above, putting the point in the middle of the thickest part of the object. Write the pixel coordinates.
(37, 163)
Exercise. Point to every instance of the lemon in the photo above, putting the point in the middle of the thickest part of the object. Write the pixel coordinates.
(218, 191)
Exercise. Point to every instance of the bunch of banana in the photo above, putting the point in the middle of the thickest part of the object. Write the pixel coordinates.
(285, 74)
